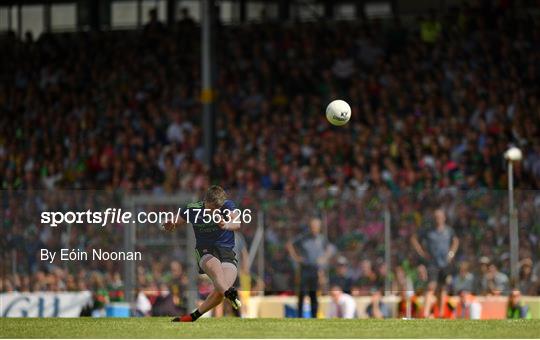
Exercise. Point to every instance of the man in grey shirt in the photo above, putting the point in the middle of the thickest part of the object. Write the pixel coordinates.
(495, 282)
(464, 280)
(438, 246)
(310, 251)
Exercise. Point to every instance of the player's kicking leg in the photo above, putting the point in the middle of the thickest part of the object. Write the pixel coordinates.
(223, 276)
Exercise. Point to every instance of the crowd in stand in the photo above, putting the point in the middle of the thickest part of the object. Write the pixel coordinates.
(435, 104)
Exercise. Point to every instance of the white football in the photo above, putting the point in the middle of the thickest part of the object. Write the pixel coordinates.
(338, 112)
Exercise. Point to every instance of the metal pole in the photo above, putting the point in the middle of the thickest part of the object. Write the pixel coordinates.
(408, 312)
(257, 240)
(243, 11)
(19, 21)
(192, 270)
(94, 17)
(387, 250)
(284, 10)
(171, 12)
(14, 262)
(207, 92)
(129, 266)
(325, 287)
(47, 17)
(139, 13)
(260, 258)
(10, 19)
(514, 240)
(67, 245)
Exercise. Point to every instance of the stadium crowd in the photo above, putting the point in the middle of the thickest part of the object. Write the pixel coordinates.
(435, 104)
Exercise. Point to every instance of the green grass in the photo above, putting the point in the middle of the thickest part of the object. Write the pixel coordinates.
(264, 328)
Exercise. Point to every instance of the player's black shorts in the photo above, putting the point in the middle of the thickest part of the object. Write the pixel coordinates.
(223, 254)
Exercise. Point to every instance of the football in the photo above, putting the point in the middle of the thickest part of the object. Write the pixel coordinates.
(338, 112)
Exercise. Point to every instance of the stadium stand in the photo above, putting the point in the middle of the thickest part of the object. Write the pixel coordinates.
(435, 103)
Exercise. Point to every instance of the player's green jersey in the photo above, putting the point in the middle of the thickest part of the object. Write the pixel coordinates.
(208, 233)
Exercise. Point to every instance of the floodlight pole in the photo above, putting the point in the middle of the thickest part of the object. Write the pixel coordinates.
(387, 250)
(207, 91)
(130, 238)
(514, 238)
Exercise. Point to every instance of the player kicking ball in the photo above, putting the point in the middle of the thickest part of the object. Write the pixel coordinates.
(214, 220)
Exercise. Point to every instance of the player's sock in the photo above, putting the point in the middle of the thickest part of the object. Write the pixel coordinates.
(195, 315)
(188, 318)
(232, 295)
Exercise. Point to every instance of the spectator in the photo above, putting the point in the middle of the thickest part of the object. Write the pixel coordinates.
(430, 29)
(527, 281)
(186, 21)
(402, 282)
(342, 305)
(154, 26)
(101, 295)
(484, 263)
(164, 304)
(177, 282)
(468, 307)
(377, 309)
(429, 303)
(536, 274)
(421, 281)
(495, 282)
(464, 280)
(409, 306)
(280, 274)
(342, 278)
(444, 307)
(143, 305)
(516, 309)
(368, 279)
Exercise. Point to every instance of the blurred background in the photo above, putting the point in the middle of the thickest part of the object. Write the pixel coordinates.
(144, 104)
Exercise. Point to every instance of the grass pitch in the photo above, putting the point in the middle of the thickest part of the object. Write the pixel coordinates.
(264, 328)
